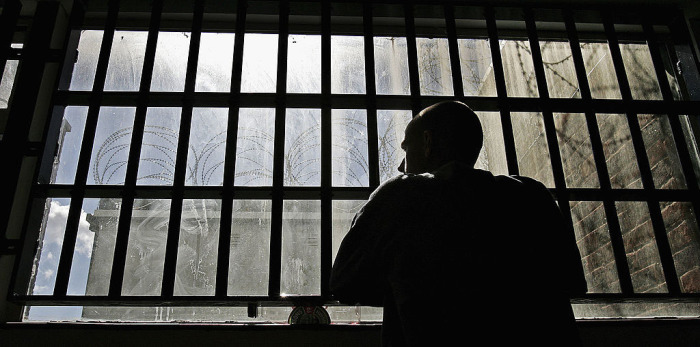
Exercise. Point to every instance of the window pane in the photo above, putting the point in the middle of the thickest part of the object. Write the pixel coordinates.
(434, 70)
(531, 147)
(198, 247)
(69, 142)
(343, 213)
(684, 238)
(301, 251)
(600, 70)
(110, 151)
(518, 68)
(493, 153)
(145, 253)
(159, 146)
(391, 66)
(593, 240)
(215, 62)
(559, 69)
(640, 245)
(88, 54)
(661, 151)
(249, 264)
(259, 63)
(7, 82)
(477, 68)
(170, 65)
(126, 61)
(349, 148)
(304, 64)
(49, 247)
(576, 152)
(302, 152)
(255, 147)
(347, 65)
(619, 151)
(391, 125)
(94, 249)
(207, 150)
(640, 71)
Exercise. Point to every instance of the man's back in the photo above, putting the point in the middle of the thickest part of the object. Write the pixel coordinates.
(457, 253)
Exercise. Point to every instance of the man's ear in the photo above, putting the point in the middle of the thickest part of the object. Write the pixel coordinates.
(427, 143)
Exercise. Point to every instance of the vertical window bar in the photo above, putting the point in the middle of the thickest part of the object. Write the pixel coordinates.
(275, 272)
(170, 265)
(503, 104)
(224, 247)
(642, 160)
(372, 135)
(326, 155)
(412, 50)
(599, 157)
(454, 51)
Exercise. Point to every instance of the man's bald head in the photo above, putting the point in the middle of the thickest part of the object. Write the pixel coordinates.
(441, 133)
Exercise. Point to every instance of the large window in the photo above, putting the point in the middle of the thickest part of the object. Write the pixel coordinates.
(204, 161)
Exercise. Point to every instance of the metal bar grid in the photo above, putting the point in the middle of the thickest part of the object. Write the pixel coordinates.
(326, 192)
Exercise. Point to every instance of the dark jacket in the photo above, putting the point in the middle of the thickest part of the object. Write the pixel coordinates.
(459, 254)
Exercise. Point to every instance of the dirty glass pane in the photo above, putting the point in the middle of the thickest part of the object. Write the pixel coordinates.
(640, 71)
(355, 314)
(600, 70)
(214, 63)
(691, 144)
(347, 65)
(145, 253)
(640, 245)
(197, 250)
(69, 142)
(126, 61)
(518, 68)
(343, 213)
(255, 147)
(349, 148)
(302, 147)
(391, 66)
(391, 125)
(477, 68)
(207, 149)
(179, 314)
(49, 247)
(619, 151)
(94, 248)
(259, 73)
(88, 53)
(576, 151)
(684, 238)
(159, 146)
(304, 64)
(7, 82)
(110, 151)
(637, 310)
(493, 153)
(593, 241)
(531, 147)
(301, 247)
(559, 69)
(249, 263)
(661, 150)
(434, 70)
(170, 65)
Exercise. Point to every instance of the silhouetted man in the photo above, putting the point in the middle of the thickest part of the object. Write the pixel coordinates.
(456, 255)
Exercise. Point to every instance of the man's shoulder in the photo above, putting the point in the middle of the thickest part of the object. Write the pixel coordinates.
(402, 184)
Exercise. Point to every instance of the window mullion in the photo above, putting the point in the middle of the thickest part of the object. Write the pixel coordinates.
(454, 51)
(326, 152)
(412, 50)
(170, 264)
(224, 246)
(371, 88)
(617, 242)
(275, 272)
(503, 102)
(642, 160)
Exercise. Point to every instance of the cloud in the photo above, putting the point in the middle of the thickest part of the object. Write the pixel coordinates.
(56, 226)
